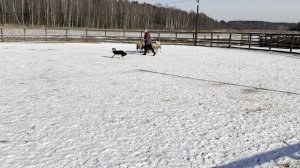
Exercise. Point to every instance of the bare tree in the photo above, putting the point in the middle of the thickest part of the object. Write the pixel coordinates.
(123, 14)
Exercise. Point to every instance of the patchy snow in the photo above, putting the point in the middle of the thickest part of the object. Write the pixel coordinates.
(71, 105)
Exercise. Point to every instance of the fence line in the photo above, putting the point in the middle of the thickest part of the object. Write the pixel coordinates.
(265, 41)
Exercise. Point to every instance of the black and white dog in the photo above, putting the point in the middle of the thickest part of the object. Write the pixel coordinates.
(118, 52)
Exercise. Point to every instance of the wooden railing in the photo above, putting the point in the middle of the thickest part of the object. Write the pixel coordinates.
(264, 41)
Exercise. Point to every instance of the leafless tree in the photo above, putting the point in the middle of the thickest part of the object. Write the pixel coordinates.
(113, 14)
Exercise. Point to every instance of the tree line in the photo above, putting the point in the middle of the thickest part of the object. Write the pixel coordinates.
(296, 27)
(257, 25)
(112, 14)
(116, 14)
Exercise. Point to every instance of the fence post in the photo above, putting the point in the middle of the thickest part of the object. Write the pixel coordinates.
(176, 38)
(199, 40)
(194, 38)
(46, 35)
(230, 40)
(242, 40)
(260, 40)
(2, 34)
(250, 40)
(211, 39)
(24, 37)
(158, 36)
(104, 34)
(270, 42)
(292, 41)
(86, 35)
(123, 36)
(66, 34)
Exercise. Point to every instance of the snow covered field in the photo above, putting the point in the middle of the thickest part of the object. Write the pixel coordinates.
(70, 105)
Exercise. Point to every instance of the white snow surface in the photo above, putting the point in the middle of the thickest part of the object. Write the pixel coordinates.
(71, 105)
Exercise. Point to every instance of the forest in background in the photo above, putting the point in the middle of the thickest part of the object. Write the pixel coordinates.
(116, 14)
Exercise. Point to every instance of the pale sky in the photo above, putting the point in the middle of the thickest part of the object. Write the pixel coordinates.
(260, 10)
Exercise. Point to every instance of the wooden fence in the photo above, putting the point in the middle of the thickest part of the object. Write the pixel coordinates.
(262, 41)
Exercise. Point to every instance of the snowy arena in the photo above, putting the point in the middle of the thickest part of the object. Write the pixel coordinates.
(72, 105)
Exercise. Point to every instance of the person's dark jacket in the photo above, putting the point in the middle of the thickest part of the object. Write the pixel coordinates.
(147, 38)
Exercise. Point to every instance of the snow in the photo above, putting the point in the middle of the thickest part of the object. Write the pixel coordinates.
(71, 105)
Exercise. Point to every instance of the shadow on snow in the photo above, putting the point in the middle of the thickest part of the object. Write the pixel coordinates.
(288, 151)
(218, 82)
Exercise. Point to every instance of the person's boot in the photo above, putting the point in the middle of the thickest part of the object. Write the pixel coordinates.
(154, 53)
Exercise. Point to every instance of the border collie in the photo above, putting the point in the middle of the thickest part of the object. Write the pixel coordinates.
(118, 52)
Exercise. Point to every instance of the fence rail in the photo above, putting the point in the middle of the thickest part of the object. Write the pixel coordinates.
(263, 41)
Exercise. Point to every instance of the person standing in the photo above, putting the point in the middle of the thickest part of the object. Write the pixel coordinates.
(148, 43)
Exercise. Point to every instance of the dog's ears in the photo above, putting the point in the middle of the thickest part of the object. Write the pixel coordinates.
(114, 49)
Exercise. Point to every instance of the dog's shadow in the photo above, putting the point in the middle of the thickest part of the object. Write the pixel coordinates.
(110, 57)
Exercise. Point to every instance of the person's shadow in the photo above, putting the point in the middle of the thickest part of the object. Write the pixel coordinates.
(291, 151)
